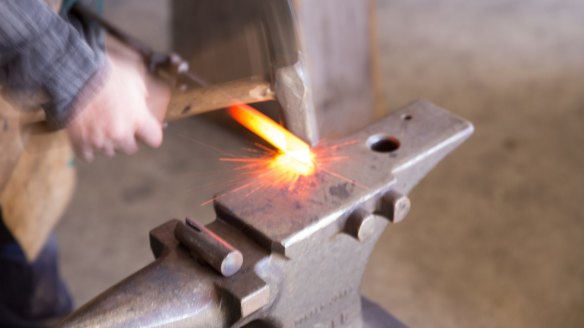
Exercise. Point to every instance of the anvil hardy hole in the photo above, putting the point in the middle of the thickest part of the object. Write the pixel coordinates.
(383, 143)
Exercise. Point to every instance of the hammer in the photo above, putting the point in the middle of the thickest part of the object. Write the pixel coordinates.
(192, 94)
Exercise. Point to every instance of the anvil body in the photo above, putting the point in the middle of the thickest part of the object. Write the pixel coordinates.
(304, 249)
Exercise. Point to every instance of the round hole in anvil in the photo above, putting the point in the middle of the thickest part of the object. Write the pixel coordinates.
(383, 143)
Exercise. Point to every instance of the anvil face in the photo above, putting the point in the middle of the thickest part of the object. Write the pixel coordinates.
(415, 139)
(304, 249)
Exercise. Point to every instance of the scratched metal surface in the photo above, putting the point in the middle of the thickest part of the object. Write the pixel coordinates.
(285, 217)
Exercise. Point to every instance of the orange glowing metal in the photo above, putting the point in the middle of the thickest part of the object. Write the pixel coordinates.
(295, 154)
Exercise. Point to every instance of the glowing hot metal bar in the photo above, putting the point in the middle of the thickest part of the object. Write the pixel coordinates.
(295, 153)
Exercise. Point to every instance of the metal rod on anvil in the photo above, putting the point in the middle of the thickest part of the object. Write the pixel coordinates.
(212, 249)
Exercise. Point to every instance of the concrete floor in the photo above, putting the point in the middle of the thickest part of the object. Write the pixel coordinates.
(496, 232)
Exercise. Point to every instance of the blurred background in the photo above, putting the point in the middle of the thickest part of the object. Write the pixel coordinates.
(495, 237)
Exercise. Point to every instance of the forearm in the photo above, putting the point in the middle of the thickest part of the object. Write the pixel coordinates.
(42, 54)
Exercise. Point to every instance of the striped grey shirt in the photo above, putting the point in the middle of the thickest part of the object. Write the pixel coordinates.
(48, 60)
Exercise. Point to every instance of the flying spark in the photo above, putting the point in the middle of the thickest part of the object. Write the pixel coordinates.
(294, 154)
(293, 165)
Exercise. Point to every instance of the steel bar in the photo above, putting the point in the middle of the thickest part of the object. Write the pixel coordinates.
(209, 247)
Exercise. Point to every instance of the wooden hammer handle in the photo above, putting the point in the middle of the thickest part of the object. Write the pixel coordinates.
(191, 102)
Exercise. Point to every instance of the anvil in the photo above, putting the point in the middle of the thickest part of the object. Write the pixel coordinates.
(286, 257)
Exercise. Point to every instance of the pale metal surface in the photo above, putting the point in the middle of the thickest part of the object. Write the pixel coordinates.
(425, 137)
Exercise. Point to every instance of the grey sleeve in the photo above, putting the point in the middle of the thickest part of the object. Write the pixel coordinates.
(44, 57)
